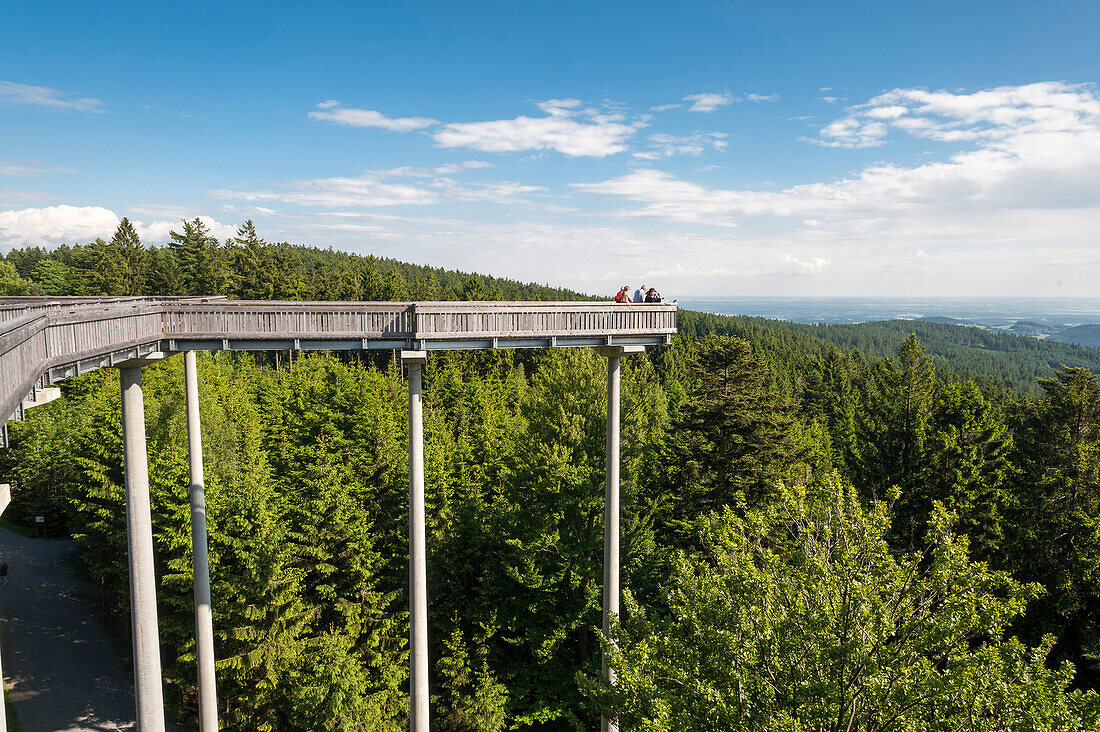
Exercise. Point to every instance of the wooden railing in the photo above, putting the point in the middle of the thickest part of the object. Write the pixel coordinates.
(57, 338)
(419, 321)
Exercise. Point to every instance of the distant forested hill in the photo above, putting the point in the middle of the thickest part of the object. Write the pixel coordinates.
(963, 351)
(1086, 335)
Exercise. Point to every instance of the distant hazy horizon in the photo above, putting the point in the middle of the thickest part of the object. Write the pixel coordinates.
(986, 311)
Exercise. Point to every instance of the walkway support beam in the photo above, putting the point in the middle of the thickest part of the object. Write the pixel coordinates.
(200, 567)
(418, 576)
(139, 535)
(611, 504)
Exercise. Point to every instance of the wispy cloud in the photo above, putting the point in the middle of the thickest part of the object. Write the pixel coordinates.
(664, 146)
(568, 127)
(54, 100)
(28, 167)
(710, 101)
(405, 186)
(332, 111)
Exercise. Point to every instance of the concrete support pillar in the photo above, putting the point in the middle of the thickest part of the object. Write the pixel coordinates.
(418, 576)
(611, 504)
(200, 568)
(139, 534)
(611, 518)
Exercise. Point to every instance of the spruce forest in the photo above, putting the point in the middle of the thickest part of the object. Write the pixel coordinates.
(882, 527)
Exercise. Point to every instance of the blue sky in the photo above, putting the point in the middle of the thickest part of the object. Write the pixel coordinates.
(746, 148)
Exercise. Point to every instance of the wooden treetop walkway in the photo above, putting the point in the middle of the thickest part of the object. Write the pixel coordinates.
(43, 340)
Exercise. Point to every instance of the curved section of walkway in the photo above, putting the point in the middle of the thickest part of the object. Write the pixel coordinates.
(61, 669)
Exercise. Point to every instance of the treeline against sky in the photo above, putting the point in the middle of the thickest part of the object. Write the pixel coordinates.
(245, 267)
(813, 537)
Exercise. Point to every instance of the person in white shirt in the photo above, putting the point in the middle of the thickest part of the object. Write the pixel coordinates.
(640, 293)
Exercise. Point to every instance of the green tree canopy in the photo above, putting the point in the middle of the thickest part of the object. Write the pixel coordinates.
(800, 617)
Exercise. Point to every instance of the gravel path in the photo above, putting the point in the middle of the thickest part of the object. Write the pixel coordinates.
(63, 673)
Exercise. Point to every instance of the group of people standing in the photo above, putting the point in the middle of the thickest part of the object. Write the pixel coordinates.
(642, 295)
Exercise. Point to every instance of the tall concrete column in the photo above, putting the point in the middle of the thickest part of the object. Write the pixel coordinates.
(418, 576)
(611, 518)
(200, 568)
(611, 504)
(139, 534)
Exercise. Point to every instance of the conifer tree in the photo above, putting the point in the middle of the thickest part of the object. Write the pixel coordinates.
(164, 275)
(133, 255)
(99, 269)
(1055, 527)
(966, 470)
(252, 280)
(200, 259)
(732, 442)
(896, 421)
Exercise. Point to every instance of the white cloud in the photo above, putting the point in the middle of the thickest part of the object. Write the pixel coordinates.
(998, 117)
(55, 225)
(331, 111)
(394, 187)
(1030, 164)
(567, 128)
(664, 146)
(54, 100)
(156, 232)
(707, 102)
(830, 100)
(763, 97)
(66, 224)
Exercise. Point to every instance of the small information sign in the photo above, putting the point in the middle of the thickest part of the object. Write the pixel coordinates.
(40, 519)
